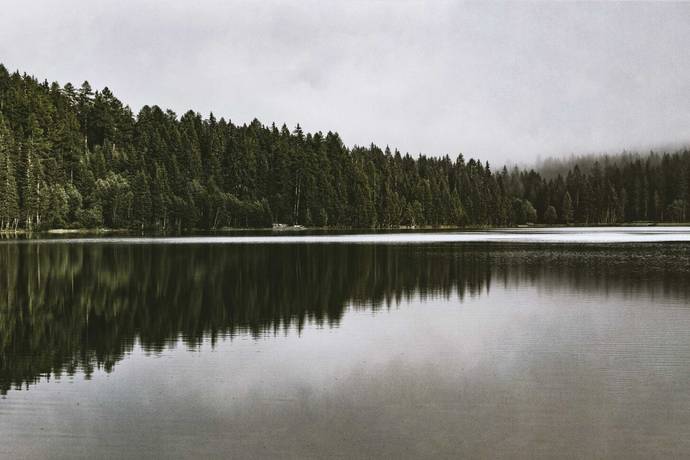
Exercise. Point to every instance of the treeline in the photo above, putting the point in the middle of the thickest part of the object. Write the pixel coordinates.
(629, 188)
(74, 157)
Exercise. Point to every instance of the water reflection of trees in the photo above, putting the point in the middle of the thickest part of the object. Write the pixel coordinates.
(65, 308)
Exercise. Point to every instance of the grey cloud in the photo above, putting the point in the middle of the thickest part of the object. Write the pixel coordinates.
(502, 81)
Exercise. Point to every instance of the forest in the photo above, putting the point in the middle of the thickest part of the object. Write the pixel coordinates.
(75, 157)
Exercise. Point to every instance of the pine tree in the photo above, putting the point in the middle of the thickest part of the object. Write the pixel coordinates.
(35, 193)
(9, 199)
(141, 204)
(567, 209)
(550, 216)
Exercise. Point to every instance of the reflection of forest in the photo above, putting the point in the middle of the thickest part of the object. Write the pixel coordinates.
(69, 307)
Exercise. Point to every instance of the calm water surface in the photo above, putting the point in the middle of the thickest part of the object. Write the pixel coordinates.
(518, 347)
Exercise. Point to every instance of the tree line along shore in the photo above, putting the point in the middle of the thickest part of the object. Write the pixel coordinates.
(75, 158)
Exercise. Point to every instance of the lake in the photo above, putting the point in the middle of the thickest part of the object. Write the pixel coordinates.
(526, 343)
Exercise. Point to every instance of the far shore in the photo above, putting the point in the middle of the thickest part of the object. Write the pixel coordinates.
(299, 228)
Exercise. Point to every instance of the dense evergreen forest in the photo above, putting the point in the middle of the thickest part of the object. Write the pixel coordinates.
(75, 157)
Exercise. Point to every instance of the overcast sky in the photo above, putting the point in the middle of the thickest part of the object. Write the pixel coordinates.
(499, 81)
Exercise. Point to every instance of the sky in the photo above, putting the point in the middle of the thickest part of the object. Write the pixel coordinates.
(505, 82)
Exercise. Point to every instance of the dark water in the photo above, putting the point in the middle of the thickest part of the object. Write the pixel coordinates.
(344, 350)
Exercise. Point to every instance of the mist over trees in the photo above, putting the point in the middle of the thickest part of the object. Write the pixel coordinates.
(78, 157)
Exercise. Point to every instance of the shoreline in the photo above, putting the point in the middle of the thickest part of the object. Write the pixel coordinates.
(301, 229)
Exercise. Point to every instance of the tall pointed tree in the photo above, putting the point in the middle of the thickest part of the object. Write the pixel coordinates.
(567, 209)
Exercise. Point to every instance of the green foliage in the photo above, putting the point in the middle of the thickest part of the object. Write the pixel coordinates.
(523, 212)
(677, 211)
(115, 196)
(79, 157)
(58, 207)
(141, 205)
(9, 198)
(74, 202)
(550, 216)
(567, 212)
(90, 218)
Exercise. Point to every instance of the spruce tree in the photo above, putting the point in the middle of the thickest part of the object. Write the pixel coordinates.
(141, 205)
(567, 209)
(9, 199)
(550, 216)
